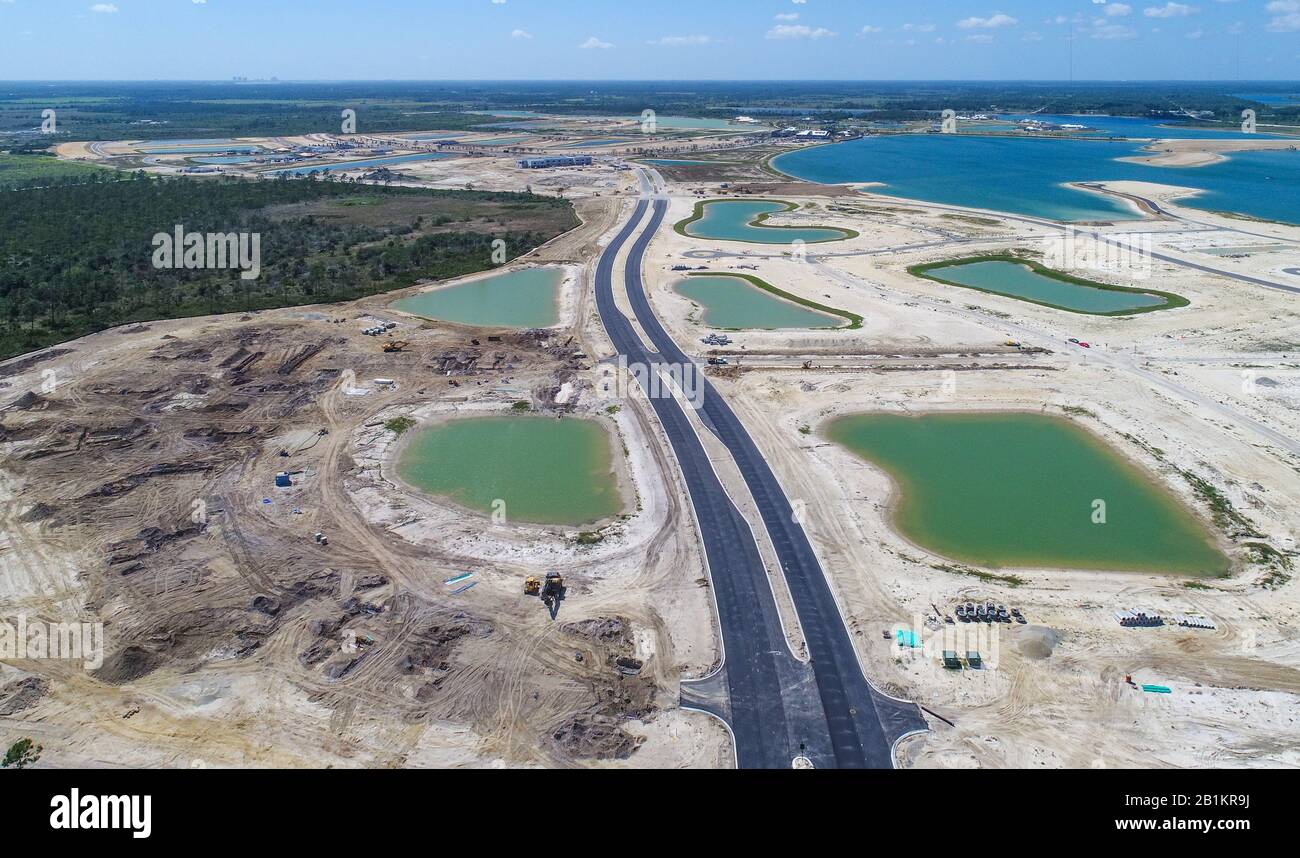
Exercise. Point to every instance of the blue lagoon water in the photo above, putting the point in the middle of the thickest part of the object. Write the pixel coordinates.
(1275, 99)
(1027, 175)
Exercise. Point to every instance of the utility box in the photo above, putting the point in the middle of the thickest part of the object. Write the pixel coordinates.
(282, 480)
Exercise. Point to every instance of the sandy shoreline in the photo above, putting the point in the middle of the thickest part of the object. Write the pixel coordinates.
(1201, 153)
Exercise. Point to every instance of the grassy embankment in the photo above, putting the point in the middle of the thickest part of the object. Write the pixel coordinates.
(924, 271)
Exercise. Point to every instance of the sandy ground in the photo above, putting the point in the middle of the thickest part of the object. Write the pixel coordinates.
(1199, 153)
(924, 346)
(1210, 389)
(234, 639)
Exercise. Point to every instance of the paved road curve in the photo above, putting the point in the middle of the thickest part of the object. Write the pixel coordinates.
(778, 708)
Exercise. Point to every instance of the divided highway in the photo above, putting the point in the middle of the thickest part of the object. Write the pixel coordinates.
(777, 707)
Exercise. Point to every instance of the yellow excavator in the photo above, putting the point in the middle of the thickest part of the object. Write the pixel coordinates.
(395, 346)
(533, 586)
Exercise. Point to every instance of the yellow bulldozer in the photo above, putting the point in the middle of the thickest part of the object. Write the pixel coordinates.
(551, 591)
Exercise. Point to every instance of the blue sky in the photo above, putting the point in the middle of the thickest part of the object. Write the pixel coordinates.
(649, 39)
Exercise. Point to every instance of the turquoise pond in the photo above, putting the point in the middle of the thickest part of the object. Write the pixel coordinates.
(733, 220)
(528, 298)
(734, 303)
(669, 162)
(226, 159)
(363, 165)
(200, 150)
(501, 141)
(190, 142)
(1021, 281)
(586, 144)
(446, 135)
(1026, 175)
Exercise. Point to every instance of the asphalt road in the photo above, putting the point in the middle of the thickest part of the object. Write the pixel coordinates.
(777, 707)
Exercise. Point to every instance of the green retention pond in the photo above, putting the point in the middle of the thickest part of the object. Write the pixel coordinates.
(546, 471)
(743, 220)
(1026, 280)
(1016, 490)
(743, 302)
(528, 298)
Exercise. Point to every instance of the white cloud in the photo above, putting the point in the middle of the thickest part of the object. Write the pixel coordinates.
(1286, 16)
(798, 31)
(1118, 10)
(1169, 10)
(870, 29)
(520, 34)
(997, 19)
(104, 8)
(595, 44)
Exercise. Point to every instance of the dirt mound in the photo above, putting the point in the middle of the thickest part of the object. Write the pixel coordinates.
(589, 735)
(611, 631)
(128, 664)
(22, 695)
(194, 637)
(1037, 642)
(28, 402)
(39, 512)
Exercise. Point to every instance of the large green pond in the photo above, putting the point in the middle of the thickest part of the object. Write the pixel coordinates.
(528, 298)
(1019, 490)
(731, 302)
(546, 471)
(738, 220)
(1015, 280)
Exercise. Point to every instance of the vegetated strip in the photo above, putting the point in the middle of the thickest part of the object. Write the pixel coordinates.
(854, 320)
(78, 254)
(19, 170)
(923, 271)
(757, 222)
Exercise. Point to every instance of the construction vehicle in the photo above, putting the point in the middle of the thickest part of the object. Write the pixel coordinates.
(553, 591)
(395, 346)
(533, 586)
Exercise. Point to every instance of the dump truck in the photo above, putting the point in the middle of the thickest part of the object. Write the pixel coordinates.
(553, 591)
